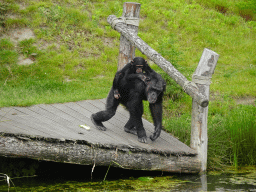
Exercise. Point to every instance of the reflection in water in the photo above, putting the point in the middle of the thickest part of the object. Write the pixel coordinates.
(223, 182)
(203, 178)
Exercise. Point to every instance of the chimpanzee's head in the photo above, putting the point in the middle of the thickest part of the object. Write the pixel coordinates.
(154, 89)
(139, 65)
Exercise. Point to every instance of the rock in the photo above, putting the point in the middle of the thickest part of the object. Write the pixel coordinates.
(17, 35)
(24, 61)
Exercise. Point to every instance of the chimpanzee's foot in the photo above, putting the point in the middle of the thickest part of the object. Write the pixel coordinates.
(152, 137)
(156, 134)
(98, 124)
(132, 130)
(142, 139)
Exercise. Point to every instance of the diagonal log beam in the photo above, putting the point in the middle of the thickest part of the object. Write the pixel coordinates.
(189, 87)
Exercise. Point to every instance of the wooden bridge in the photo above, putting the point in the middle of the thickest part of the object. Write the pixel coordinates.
(52, 132)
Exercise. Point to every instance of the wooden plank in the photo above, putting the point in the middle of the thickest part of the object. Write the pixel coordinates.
(54, 117)
(113, 126)
(61, 130)
(8, 127)
(164, 143)
(113, 139)
(119, 126)
(121, 131)
(123, 115)
(114, 130)
(170, 141)
(117, 120)
(44, 123)
(26, 121)
(92, 136)
(53, 128)
(78, 114)
(51, 132)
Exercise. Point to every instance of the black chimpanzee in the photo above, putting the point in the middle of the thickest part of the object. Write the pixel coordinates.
(130, 87)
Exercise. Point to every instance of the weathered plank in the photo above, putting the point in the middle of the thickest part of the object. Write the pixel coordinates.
(165, 141)
(51, 132)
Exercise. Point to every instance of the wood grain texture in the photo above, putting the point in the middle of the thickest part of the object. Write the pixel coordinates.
(51, 132)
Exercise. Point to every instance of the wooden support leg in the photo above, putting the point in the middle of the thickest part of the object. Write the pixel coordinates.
(202, 78)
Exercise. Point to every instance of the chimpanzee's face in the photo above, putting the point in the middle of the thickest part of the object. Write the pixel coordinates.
(139, 68)
(139, 64)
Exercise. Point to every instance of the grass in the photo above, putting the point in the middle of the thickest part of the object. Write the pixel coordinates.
(245, 9)
(75, 57)
(242, 126)
(232, 137)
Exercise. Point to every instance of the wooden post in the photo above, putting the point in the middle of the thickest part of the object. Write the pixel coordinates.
(202, 78)
(131, 12)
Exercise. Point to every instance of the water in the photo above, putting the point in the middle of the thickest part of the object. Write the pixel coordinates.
(223, 182)
(64, 177)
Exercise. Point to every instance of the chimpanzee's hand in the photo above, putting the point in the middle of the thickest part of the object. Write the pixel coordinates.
(144, 77)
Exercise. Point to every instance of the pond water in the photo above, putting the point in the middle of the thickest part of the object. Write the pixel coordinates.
(220, 182)
(125, 180)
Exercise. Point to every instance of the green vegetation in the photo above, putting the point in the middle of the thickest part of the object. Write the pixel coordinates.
(75, 51)
(154, 184)
(237, 180)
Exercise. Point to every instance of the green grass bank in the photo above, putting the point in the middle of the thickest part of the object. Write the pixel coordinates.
(72, 53)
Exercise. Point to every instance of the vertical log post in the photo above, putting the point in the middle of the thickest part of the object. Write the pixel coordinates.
(131, 12)
(202, 78)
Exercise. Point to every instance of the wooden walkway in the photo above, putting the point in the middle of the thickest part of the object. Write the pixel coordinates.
(51, 132)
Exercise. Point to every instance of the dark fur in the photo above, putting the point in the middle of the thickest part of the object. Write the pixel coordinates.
(130, 87)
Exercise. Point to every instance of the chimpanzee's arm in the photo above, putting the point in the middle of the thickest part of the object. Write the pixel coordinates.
(118, 76)
(142, 76)
(157, 83)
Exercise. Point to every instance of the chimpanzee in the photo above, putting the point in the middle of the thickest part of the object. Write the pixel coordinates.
(130, 87)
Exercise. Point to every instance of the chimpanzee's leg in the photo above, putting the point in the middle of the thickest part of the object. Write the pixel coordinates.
(135, 107)
(108, 113)
(130, 127)
(156, 112)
